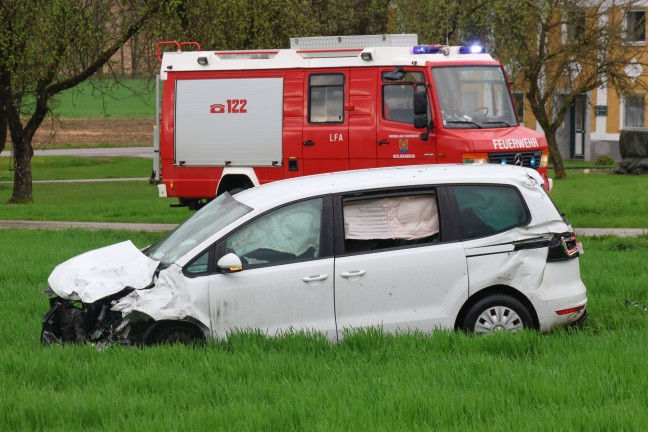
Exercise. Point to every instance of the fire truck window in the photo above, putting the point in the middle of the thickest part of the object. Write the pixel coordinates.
(409, 77)
(326, 98)
(374, 224)
(398, 102)
(288, 234)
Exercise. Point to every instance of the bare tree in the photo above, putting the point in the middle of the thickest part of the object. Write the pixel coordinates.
(47, 47)
(558, 50)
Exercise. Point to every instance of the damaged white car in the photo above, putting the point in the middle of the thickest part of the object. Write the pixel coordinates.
(477, 248)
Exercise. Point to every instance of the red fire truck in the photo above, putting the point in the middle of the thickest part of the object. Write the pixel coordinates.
(230, 120)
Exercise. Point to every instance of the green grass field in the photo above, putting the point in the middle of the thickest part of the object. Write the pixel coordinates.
(603, 199)
(128, 98)
(588, 379)
(94, 202)
(597, 200)
(72, 168)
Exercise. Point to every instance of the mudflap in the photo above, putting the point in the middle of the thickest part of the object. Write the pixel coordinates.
(580, 321)
(51, 329)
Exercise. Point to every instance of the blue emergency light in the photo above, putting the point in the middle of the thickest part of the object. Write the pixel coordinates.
(426, 49)
(472, 49)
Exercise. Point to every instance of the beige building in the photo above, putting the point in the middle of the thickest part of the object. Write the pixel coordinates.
(593, 123)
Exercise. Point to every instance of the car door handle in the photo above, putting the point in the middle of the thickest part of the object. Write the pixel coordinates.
(309, 143)
(383, 142)
(315, 278)
(353, 273)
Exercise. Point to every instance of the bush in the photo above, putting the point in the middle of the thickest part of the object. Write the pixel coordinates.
(604, 160)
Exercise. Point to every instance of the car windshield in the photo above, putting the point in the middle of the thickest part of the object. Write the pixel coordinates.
(474, 97)
(215, 216)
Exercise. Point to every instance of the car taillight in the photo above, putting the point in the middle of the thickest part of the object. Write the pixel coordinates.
(563, 246)
(570, 310)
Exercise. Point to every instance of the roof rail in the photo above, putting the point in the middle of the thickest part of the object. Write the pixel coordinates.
(178, 47)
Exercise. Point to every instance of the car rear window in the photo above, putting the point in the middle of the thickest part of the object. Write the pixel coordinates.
(391, 221)
(487, 209)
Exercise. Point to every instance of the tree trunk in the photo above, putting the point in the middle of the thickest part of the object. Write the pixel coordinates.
(22, 190)
(3, 131)
(554, 156)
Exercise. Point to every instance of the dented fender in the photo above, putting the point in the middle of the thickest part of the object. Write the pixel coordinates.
(519, 255)
(167, 299)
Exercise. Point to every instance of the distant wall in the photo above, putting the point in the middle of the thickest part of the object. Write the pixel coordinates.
(598, 148)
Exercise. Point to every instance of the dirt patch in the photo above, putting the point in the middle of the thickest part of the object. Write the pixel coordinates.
(94, 132)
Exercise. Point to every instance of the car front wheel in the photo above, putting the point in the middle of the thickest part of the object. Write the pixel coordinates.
(497, 313)
(171, 333)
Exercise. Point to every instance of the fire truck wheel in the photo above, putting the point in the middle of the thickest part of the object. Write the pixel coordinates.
(236, 190)
(241, 188)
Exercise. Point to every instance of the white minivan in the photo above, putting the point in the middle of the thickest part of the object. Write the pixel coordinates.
(480, 248)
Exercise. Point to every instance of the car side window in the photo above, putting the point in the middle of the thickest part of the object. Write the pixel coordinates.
(485, 209)
(288, 234)
(393, 221)
(199, 266)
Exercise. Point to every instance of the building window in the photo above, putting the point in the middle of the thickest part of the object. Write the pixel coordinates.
(636, 26)
(634, 111)
(574, 25)
(518, 97)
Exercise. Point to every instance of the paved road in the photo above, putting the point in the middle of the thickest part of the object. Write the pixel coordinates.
(100, 180)
(55, 225)
(141, 152)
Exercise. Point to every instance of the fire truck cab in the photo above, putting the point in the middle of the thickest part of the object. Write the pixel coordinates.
(230, 120)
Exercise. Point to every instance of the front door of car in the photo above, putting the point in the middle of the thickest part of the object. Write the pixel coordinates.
(399, 276)
(287, 277)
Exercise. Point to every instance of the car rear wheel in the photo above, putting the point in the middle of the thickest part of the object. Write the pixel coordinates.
(167, 334)
(497, 313)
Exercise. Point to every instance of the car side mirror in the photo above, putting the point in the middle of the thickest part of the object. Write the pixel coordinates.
(420, 102)
(230, 263)
(420, 121)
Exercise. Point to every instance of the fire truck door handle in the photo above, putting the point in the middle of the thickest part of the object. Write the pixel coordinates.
(309, 143)
(383, 142)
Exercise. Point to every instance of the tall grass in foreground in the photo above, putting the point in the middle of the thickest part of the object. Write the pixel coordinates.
(589, 379)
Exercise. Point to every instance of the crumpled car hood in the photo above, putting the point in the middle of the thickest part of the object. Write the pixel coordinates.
(102, 272)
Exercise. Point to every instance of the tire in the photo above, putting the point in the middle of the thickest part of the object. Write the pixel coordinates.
(173, 333)
(496, 313)
(236, 190)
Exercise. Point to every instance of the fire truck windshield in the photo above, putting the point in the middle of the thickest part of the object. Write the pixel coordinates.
(473, 97)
